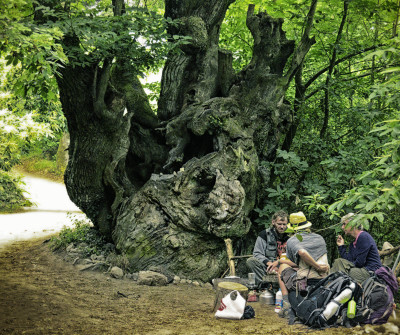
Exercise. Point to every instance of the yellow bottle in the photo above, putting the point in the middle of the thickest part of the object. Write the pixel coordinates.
(351, 309)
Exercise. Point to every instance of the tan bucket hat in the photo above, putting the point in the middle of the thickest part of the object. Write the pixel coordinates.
(387, 260)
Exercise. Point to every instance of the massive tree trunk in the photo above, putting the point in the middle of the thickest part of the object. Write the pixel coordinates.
(168, 189)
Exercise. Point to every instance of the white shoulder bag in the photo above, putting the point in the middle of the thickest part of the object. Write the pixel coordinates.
(231, 307)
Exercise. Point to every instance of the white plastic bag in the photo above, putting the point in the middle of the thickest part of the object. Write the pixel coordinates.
(231, 308)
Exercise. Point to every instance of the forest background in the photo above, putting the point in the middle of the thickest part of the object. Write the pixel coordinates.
(340, 152)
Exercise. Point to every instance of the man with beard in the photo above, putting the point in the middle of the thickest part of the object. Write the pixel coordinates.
(270, 244)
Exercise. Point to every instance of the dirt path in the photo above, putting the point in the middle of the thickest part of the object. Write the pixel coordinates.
(41, 294)
(47, 216)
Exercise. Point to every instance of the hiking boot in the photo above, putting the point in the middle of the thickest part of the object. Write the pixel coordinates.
(284, 312)
(293, 319)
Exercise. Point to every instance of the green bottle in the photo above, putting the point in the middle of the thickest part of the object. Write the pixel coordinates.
(351, 309)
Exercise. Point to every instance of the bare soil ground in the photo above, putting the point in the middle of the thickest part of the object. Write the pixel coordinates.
(41, 294)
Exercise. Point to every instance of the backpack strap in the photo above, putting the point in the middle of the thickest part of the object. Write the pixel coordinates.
(323, 281)
(316, 311)
(367, 286)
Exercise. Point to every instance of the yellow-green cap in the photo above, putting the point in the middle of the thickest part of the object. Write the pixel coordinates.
(297, 221)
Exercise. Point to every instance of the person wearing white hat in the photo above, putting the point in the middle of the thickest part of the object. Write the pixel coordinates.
(307, 259)
(361, 257)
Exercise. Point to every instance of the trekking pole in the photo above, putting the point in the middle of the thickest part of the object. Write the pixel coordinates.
(396, 262)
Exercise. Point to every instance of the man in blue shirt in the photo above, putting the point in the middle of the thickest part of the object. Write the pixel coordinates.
(362, 255)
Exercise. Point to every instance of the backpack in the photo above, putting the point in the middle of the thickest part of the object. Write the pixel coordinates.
(376, 303)
(326, 302)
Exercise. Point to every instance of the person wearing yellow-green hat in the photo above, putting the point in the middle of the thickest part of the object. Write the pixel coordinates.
(307, 258)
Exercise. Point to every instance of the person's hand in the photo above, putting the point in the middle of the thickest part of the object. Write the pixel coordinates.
(272, 266)
(322, 268)
(339, 240)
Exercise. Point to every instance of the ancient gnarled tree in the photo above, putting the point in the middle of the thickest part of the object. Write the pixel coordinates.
(168, 188)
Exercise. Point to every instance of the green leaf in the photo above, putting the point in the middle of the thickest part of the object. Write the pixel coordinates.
(299, 237)
(380, 217)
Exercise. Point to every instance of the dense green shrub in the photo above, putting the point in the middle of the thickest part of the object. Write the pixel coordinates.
(11, 193)
(30, 125)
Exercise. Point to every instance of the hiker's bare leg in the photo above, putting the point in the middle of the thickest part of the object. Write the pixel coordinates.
(281, 283)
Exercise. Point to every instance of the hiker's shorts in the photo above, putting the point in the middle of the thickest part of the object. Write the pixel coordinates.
(289, 277)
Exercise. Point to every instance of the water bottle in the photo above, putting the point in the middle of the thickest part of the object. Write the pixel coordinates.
(351, 309)
(342, 298)
(278, 301)
(330, 310)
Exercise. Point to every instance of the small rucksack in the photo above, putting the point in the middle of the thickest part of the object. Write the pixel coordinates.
(376, 303)
(325, 302)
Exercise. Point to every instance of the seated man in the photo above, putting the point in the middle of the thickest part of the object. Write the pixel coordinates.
(307, 258)
(270, 244)
(362, 255)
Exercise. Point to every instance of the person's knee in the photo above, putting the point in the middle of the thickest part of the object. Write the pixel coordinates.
(337, 265)
(359, 274)
(338, 262)
(251, 262)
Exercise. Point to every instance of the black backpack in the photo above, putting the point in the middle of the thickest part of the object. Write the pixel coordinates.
(311, 308)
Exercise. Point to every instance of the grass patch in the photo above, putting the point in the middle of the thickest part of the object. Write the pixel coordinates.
(120, 260)
(88, 239)
(42, 167)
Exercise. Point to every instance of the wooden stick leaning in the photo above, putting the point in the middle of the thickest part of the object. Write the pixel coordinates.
(229, 251)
